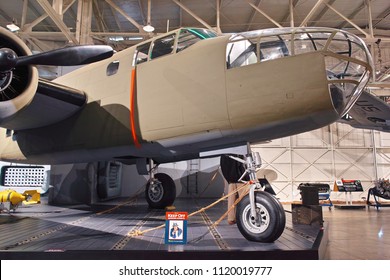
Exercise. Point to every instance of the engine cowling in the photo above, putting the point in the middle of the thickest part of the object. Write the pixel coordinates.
(18, 85)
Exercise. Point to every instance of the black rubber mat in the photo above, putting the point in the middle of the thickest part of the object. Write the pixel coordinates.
(105, 232)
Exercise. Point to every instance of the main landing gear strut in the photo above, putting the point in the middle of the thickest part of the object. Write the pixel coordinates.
(260, 216)
(160, 190)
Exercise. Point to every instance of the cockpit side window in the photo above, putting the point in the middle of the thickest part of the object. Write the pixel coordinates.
(186, 39)
(241, 53)
(163, 46)
(190, 36)
(273, 47)
(141, 54)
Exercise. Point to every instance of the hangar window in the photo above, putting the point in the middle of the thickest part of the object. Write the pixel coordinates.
(141, 54)
(163, 46)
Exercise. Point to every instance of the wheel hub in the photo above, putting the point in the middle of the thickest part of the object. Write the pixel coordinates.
(156, 191)
(256, 224)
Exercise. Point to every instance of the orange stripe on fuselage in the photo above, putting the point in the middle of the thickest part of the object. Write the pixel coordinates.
(132, 97)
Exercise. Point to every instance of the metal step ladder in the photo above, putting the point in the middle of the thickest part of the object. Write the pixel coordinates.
(192, 176)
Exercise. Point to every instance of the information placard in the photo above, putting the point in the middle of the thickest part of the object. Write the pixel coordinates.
(176, 227)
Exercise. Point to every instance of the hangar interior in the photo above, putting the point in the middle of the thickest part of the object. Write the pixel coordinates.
(324, 155)
(334, 152)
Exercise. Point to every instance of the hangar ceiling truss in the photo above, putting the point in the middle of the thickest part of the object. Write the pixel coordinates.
(120, 22)
(108, 16)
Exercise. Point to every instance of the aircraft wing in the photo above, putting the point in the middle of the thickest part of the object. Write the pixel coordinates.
(51, 103)
(369, 112)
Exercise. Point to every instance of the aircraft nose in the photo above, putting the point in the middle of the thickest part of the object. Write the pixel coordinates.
(348, 66)
(346, 59)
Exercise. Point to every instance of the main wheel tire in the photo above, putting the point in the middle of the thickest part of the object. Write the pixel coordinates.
(272, 218)
(163, 193)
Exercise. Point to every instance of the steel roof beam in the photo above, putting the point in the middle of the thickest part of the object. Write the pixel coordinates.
(205, 24)
(142, 12)
(382, 16)
(6, 16)
(311, 13)
(57, 20)
(123, 13)
(30, 26)
(252, 16)
(24, 13)
(218, 16)
(290, 12)
(99, 17)
(352, 16)
(265, 14)
(57, 6)
(348, 20)
(323, 11)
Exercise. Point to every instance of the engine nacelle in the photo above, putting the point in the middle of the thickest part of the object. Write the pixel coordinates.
(19, 85)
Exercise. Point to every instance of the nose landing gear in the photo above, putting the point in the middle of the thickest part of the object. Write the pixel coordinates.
(260, 216)
(160, 191)
(268, 223)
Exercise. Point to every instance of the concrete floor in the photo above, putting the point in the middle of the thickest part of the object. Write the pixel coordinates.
(358, 234)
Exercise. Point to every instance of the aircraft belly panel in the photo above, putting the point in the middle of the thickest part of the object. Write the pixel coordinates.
(291, 87)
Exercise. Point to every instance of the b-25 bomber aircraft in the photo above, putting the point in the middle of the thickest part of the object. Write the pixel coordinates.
(181, 95)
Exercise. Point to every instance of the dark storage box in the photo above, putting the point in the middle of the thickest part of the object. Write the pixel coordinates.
(309, 194)
(307, 214)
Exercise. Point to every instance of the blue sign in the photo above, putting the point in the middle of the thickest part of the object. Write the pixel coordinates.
(176, 228)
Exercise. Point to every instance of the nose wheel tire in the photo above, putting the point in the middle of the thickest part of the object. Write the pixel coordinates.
(161, 192)
(269, 223)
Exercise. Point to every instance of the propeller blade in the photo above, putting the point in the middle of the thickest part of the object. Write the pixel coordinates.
(76, 55)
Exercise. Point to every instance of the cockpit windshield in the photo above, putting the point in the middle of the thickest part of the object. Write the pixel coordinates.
(189, 36)
(166, 45)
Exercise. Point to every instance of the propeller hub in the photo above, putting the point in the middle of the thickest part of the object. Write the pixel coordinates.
(8, 59)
